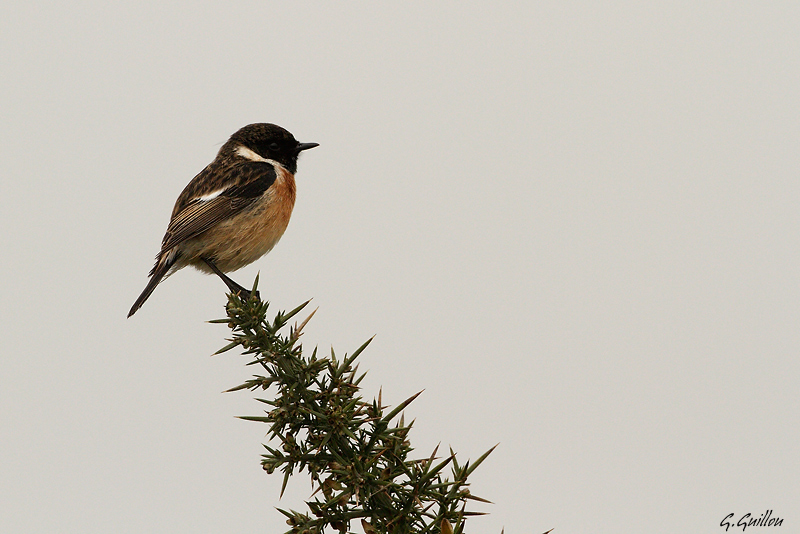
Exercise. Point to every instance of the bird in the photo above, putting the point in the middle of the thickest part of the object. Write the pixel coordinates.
(234, 211)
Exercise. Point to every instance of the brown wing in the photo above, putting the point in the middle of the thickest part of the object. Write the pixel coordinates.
(248, 182)
(199, 216)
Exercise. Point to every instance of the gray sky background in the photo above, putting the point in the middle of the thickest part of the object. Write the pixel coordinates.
(574, 225)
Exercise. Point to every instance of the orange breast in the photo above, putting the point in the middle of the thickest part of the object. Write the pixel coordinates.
(252, 233)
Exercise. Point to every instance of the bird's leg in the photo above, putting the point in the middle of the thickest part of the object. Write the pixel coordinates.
(233, 286)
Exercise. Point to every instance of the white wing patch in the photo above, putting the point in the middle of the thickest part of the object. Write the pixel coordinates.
(211, 196)
(246, 153)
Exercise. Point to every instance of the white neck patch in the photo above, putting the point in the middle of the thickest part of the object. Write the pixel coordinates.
(246, 153)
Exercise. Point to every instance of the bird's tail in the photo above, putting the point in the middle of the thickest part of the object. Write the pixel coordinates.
(160, 269)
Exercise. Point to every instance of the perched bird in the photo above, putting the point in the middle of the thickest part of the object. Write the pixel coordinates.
(235, 210)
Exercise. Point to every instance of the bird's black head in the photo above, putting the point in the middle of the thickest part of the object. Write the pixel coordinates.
(270, 141)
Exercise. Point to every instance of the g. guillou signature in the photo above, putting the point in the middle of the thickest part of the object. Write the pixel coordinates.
(747, 520)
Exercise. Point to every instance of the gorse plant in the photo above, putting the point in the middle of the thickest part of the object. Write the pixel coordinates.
(356, 452)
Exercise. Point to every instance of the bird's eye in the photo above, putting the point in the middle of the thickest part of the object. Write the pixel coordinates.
(274, 147)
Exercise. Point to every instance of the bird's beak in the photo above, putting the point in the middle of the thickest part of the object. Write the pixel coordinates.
(305, 146)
